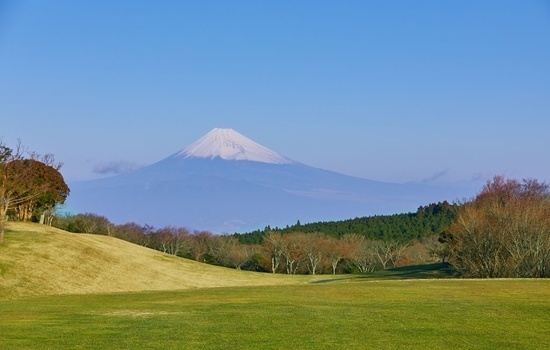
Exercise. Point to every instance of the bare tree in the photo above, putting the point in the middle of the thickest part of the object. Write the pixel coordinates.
(336, 251)
(172, 240)
(292, 252)
(89, 223)
(435, 249)
(503, 232)
(134, 233)
(219, 247)
(361, 254)
(199, 245)
(314, 247)
(273, 243)
(239, 254)
(389, 252)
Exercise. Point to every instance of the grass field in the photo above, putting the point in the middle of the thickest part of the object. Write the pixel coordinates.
(358, 314)
(68, 291)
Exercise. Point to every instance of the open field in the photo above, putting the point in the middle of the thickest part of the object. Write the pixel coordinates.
(71, 291)
(353, 314)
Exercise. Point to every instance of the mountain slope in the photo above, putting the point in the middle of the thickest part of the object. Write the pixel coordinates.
(225, 182)
(37, 260)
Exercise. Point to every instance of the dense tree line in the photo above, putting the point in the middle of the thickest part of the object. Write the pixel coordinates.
(426, 221)
(30, 186)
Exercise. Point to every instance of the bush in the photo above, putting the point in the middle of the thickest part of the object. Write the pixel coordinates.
(503, 232)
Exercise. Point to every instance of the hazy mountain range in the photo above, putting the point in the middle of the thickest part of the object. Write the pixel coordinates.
(225, 182)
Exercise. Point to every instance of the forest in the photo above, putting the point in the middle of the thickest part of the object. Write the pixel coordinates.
(426, 221)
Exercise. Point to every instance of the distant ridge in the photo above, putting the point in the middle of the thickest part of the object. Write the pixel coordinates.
(228, 144)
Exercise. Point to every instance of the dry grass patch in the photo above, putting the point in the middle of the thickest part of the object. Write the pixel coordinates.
(38, 260)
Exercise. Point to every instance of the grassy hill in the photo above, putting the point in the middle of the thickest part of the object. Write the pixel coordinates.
(39, 260)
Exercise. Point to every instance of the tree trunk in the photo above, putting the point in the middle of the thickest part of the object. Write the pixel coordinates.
(334, 265)
(2, 224)
(289, 265)
(275, 260)
(3, 212)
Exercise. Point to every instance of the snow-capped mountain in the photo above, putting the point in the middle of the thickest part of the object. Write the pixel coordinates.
(230, 145)
(225, 182)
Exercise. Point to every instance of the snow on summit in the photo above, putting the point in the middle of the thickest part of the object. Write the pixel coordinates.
(230, 145)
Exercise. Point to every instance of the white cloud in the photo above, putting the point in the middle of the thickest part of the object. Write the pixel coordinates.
(114, 168)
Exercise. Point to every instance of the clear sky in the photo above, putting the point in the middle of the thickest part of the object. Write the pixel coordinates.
(396, 91)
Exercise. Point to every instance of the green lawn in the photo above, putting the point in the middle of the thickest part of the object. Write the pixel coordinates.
(355, 313)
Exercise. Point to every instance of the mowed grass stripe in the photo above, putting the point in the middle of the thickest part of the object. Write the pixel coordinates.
(442, 314)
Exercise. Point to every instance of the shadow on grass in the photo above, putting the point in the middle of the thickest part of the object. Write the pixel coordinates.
(426, 271)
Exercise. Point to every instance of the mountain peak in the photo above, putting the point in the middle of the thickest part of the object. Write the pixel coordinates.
(230, 145)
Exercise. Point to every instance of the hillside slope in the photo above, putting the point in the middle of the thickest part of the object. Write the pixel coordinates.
(38, 260)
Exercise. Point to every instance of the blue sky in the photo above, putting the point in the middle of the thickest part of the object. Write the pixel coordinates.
(398, 91)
